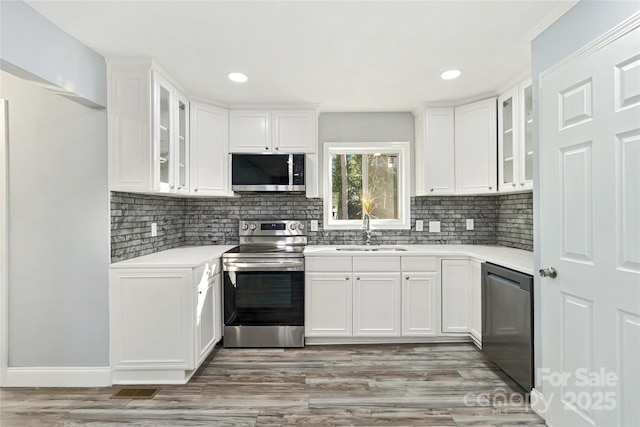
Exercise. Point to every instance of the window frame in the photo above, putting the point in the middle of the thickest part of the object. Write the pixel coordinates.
(402, 149)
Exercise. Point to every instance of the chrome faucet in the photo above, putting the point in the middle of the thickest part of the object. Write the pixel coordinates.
(366, 226)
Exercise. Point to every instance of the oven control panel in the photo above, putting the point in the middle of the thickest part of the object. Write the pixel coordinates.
(273, 228)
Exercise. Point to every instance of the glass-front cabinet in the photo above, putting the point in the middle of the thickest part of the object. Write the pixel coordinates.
(171, 112)
(515, 139)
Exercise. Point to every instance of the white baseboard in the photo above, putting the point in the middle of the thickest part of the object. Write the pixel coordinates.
(57, 377)
(538, 403)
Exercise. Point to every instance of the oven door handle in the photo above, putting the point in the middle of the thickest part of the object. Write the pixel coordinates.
(264, 266)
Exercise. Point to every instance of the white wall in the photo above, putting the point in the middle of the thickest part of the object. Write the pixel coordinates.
(58, 229)
(582, 24)
(34, 48)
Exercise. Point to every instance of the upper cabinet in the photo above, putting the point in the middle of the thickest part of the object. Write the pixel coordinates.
(210, 163)
(476, 147)
(434, 152)
(515, 139)
(273, 131)
(456, 149)
(148, 130)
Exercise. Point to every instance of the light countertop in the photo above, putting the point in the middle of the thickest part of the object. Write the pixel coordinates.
(515, 259)
(184, 257)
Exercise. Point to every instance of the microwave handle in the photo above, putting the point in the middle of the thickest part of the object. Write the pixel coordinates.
(290, 164)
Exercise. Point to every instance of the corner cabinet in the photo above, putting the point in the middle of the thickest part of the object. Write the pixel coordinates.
(211, 169)
(148, 130)
(434, 151)
(476, 148)
(515, 139)
(163, 322)
(273, 131)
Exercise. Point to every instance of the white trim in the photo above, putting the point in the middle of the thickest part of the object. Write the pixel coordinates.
(58, 377)
(538, 403)
(404, 184)
(4, 237)
(615, 33)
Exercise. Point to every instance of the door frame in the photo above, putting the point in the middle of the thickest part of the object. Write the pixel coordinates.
(4, 236)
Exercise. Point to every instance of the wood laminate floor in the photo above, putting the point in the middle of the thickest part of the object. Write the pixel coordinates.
(363, 385)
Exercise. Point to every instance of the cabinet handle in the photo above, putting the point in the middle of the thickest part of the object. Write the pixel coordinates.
(277, 148)
(431, 189)
(195, 189)
(357, 278)
(266, 148)
(172, 187)
(346, 278)
(490, 188)
(514, 184)
(407, 278)
(200, 292)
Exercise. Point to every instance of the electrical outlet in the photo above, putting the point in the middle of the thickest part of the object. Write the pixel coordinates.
(419, 225)
(314, 225)
(434, 226)
(154, 229)
(469, 224)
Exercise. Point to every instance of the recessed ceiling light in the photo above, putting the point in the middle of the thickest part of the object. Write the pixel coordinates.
(238, 77)
(450, 74)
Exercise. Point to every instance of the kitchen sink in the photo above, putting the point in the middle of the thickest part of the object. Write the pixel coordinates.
(371, 249)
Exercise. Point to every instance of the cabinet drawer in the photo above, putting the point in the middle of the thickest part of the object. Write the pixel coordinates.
(419, 263)
(376, 263)
(330, 263)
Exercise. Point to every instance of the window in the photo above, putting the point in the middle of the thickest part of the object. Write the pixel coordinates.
(371, 177)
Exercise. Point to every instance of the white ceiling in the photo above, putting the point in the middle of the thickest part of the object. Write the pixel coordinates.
(342, 55)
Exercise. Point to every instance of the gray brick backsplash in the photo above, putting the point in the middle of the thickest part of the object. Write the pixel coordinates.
(503, 220)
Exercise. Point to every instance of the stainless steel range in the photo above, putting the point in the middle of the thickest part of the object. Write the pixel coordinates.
(264, 285)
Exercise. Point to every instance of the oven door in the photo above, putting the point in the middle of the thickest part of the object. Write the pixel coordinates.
(263, 298)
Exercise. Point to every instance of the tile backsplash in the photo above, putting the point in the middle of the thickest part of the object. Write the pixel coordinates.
(504, 220)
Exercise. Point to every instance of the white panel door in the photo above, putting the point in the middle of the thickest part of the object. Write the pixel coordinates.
(376, 304)
(420, 304)
(590, 232)
(328, 305)
(435, 152)
(210, 171)
(205, 317)
(476, 302)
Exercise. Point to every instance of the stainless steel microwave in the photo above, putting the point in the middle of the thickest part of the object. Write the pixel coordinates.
(267, 172)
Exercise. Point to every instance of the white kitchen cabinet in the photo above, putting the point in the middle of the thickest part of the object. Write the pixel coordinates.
(476, 148)
(273, 131)
(475, 330)
(163, 321)
(210, 161)
(377, 304)
(456, 296)
(419, 304)
(515, 139)
(328, 304)
(434, 151)
(148, 129)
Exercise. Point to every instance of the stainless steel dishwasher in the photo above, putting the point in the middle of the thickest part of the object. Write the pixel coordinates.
(507, 322)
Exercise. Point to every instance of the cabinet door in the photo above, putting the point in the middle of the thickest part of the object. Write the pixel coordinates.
(295, 131)
(163, 139)
(525, 118)
(476, 147)
(249, 131)
(508, 140)
(151, 315)
(435, 152)
(210, 169)
(328, 304)
(476, 303)
(456, 296)
(420, 304)
(181, 157)
(207, 313)
(129, 116)
(376, 304)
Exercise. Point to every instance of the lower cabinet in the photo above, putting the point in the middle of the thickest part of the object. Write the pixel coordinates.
(163, 322)
(476, 303)
(456, 296)
(420, 304)
(328, 304)
(376, 308)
